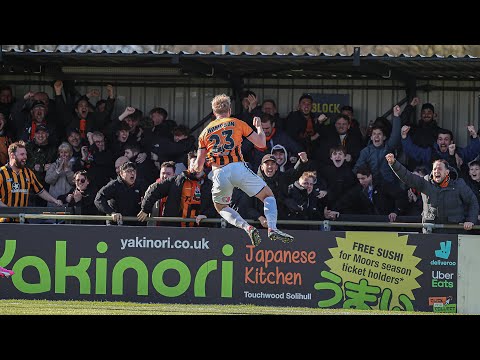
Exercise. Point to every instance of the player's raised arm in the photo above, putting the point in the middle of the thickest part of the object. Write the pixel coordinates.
(200, 160)
(258, 139)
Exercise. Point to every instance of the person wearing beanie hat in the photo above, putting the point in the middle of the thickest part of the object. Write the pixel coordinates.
(42, 153)
(428, 106)
(42, 127)
(305, 96)
(38, 103)
(26, 126)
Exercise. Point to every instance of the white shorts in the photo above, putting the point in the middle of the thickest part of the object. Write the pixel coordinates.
(236, 174)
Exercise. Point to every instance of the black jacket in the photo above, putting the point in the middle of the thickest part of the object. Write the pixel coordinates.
(296, 124)
(248, 116)
(387, 198)
(304, 206)
(100, 166)
(86, 203)
(339, 181)
(169, 150)
(118, 197)
(329, 138)
(173, 189)
(278, 183)
(423, 134)
(96, 121)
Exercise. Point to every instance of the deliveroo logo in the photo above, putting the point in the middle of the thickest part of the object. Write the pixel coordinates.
(444, 251)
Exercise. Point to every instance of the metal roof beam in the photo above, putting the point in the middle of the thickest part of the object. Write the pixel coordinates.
(203, 69)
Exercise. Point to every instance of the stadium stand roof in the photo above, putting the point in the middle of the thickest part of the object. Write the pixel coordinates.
(246, 65)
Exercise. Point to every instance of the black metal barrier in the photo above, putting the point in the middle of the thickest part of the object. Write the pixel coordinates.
(353, 222)
(344, 222)
(335, 269)
(19, 213)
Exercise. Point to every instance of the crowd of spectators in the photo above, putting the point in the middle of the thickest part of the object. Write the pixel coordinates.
(318, 167)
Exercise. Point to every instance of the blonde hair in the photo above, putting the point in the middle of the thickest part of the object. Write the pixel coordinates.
(309, 174)
(98, 134)
(65, 146)
(12, 149)
(221, 104)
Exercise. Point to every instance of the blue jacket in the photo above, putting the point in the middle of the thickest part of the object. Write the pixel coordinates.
(374, 156)
(428, 155)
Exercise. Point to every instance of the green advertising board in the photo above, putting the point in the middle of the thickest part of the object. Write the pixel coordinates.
(361, 270)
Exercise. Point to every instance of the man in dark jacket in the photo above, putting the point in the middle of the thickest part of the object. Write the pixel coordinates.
(81, 118)
(37, 119)
(189, 196)
(99, 161)
(302, 125)
(122, 196)
(162, 128)
(424, 131)
(23, 116)
(371, 197)
(6, 99)
(41, 154)
(270, 107)
(340, 133)
(338, 175)
(447, 199)
(146, 170)
(176, 150)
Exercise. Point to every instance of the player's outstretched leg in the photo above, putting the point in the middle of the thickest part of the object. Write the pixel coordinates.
(234, 218)
(275, 234)
(270, 211)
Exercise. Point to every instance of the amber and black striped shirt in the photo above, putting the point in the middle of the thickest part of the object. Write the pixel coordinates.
(15, 188)
(222, 139)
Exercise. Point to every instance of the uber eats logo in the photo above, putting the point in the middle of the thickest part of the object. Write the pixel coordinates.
(187, 278)
(441, 279)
